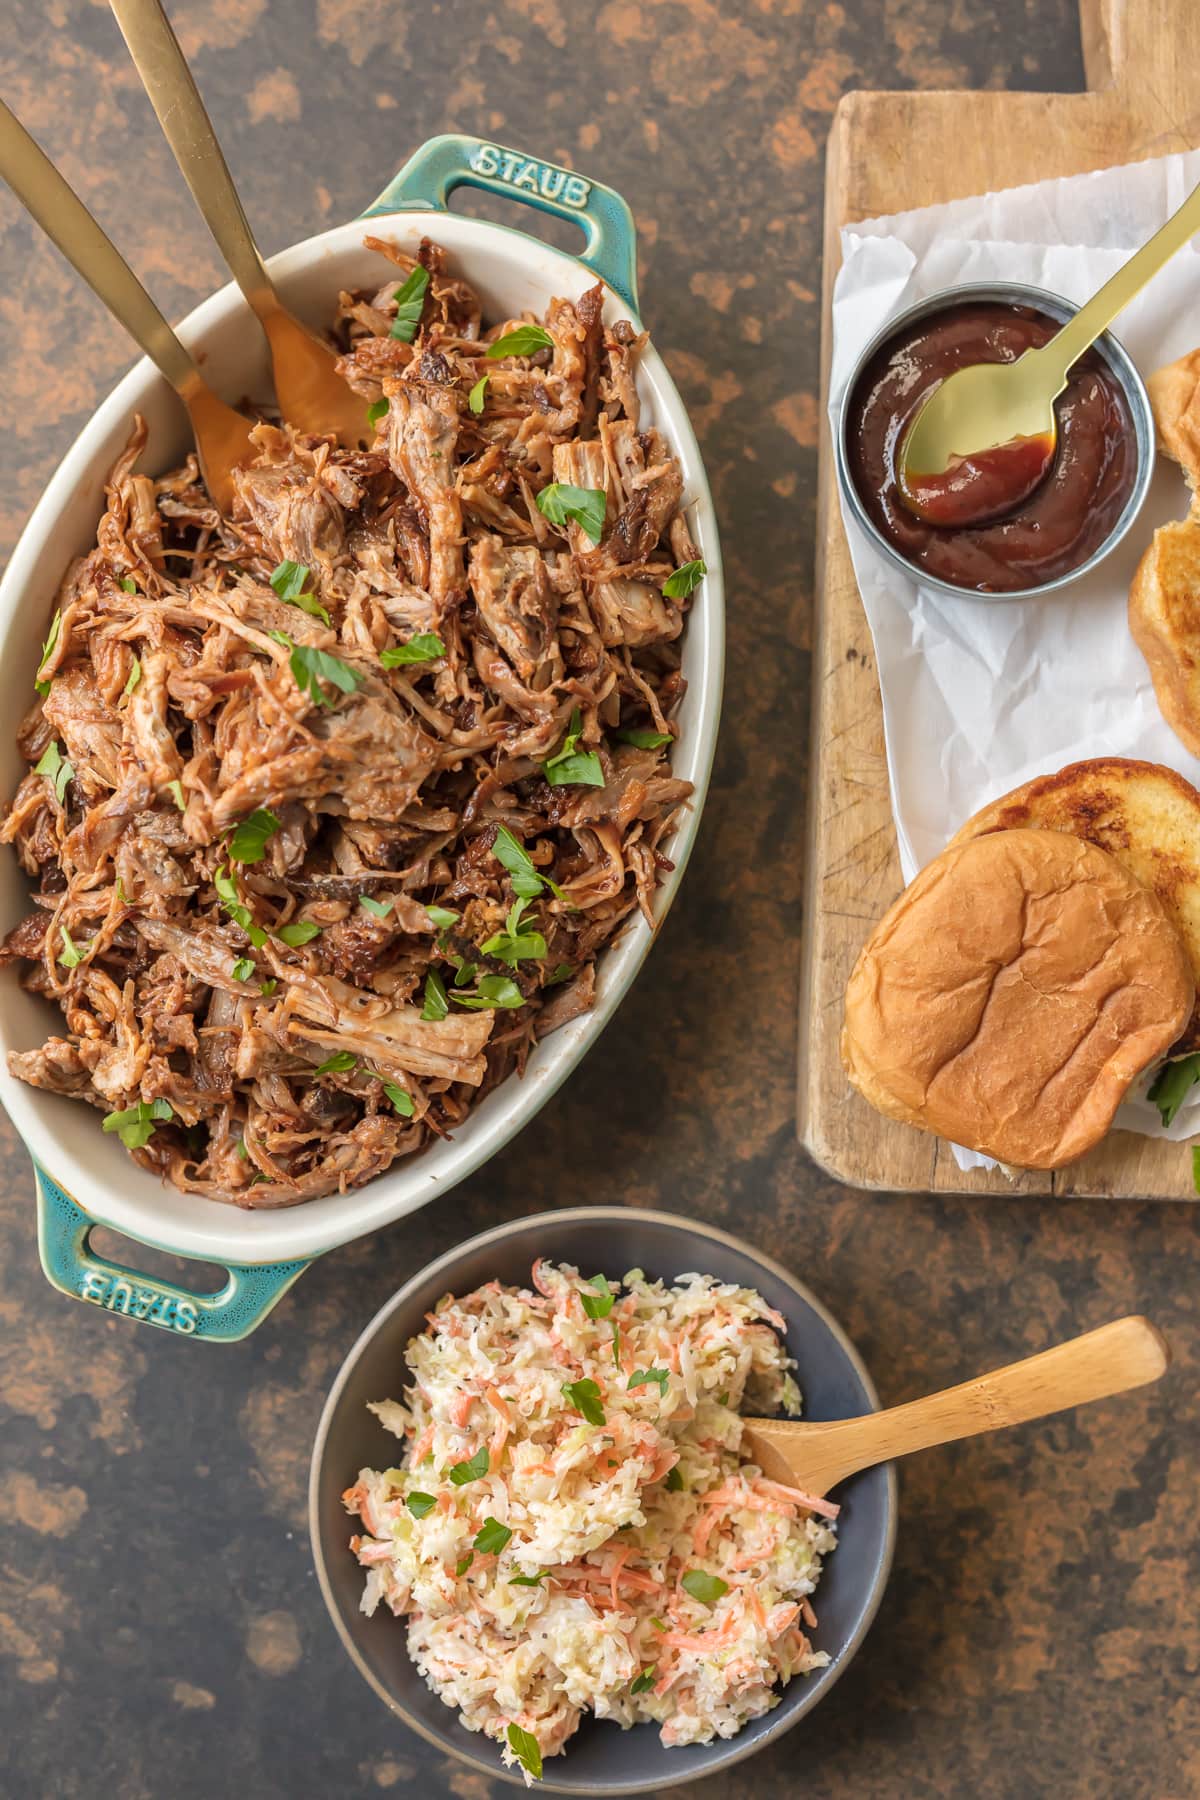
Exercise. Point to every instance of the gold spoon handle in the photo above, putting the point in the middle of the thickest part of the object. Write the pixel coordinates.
(176, 99)
(1069, 344)
(68, 224)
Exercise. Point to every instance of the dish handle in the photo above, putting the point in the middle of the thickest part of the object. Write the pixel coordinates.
(430, 176)
(72, 1266)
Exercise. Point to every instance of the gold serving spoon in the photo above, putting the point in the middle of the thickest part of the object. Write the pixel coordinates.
(815, 1457)
(986, 436)
(222, 435)
(311, 393)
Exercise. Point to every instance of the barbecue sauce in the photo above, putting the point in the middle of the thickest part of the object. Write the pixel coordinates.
(1006, 519)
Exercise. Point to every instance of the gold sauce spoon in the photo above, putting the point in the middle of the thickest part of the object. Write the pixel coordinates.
(815, 1457)
(311, 393)
(987, 434)
(222, 435)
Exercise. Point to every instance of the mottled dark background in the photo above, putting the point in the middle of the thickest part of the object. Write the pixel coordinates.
(159, 1622)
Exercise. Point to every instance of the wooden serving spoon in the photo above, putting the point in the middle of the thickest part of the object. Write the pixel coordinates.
(1126, 1354)
(311, 393)
(222, 435)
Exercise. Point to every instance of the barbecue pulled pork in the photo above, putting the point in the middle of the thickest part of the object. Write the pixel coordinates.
(241, 809)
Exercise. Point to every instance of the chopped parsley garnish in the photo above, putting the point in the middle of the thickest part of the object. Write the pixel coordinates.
(523, 341)
(563, 972)
(616, 1343)
(688, 576)
(493, 990)
(135, 675)
(43, 687)
(402, 1102)
(491, 1537)
(249, 841)
(584, 1396)
(571, 766)
(477, 394)
(524, 1747)
(461, 1567)
(175, 789)
(70, 956)
(526, 882)
(643, 1377)
(227, 893)
(425, 646)
(378, 908)
(340, 1063)
(644, 1680)
(464, 971)
(266, 988)
(586, 506)
(288, 579)
(1196, 1167)
(1172, 1084)
(410, 304)
(442, 917)
(674, 1481)
(376, 411)
(527, 1580)
(659, 1624)
(707, 1589)
(129, 584)
(645, 740)
(54, 765)
(512, 945)
(300, 931)
(311, 667)
(242, 969)
(436, 1004)
(136, 1125)
(471, 1470)
(419, 1504)
(599, 1303)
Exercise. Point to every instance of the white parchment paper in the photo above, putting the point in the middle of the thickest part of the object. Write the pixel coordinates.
(981, 696)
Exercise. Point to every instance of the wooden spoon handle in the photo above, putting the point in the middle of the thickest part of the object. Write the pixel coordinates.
(1125, 1354)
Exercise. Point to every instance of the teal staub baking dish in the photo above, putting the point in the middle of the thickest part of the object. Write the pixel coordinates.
(85, 1178)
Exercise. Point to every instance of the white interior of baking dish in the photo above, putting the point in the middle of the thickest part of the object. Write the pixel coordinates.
(512, 273)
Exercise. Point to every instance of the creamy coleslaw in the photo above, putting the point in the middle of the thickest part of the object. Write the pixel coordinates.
(572, 1527)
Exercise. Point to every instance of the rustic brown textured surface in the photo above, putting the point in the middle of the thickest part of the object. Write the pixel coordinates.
(159, 1622)
(1143, 66)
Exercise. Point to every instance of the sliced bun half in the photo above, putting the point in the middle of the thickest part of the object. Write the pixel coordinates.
(1012, 994)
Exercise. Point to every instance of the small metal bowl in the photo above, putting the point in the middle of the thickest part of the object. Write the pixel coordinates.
(600, 1759)
(1107, 347)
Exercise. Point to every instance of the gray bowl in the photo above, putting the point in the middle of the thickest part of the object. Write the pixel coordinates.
(1110, 351)
(600, 1758)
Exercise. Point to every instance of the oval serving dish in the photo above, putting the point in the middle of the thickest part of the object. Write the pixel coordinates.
(84, 1177)
(1108, 348)
(600, 1759)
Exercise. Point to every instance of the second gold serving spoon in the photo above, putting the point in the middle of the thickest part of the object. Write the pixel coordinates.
(311, 393)
(988, 433)
(222, 435)
(815, 1457)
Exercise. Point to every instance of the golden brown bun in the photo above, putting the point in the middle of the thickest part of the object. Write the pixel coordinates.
(1011, 995)
(1164, 617)
(1175, 399)
(1145, 815)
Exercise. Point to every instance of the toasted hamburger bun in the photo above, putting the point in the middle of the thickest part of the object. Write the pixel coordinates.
(1145, 815)
(1175, 401)
(1164, 617)
(1012, 994)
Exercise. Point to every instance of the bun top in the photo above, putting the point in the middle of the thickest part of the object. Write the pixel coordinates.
(1011, 995)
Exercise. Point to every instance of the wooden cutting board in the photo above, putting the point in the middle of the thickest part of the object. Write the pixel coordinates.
(887, 153)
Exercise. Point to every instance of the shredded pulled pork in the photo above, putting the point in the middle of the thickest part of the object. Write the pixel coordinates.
(240, 808)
